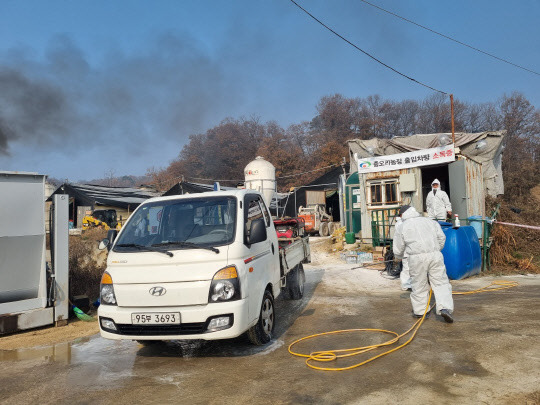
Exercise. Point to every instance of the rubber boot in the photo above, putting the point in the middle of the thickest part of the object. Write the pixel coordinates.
(447, 316)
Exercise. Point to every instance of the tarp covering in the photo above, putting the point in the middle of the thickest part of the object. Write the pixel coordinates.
(186, 187)
(489, 156)
(328, 181)
(91, 195)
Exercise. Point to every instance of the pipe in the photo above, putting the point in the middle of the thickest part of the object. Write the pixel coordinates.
(452, 116)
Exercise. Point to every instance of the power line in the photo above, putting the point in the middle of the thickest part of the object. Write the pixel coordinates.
(238, 180)
(364, 52)
(214, 180)
(183, 177)
(450, 38)
(310, 171)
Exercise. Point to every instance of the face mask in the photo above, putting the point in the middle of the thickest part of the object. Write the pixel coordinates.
(434, 191)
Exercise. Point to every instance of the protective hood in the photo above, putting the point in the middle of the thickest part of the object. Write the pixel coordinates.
(436, 181)
(410, 213)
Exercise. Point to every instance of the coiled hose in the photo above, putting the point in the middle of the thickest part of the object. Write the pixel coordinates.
(331, 355)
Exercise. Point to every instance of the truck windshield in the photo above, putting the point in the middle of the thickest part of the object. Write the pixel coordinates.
(180, 224)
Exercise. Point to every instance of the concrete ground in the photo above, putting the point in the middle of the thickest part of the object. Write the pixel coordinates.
(489, 355)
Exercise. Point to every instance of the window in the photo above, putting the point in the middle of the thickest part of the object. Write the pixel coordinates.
(383, 193)
(200, 221)
(265, 213)
(390, 191)
(376, 194)
(255, 209)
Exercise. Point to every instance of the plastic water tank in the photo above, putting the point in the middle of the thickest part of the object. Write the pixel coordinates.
(476, 222)
(260, 175)
(462, 255)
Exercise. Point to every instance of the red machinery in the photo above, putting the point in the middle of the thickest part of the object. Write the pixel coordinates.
(289, 229)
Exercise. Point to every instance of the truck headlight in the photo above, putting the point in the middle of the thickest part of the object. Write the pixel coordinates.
(225, 286)
(107, 296)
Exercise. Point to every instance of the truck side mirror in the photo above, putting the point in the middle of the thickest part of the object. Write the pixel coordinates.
(109, 240)
(104, 244)
(257, 232)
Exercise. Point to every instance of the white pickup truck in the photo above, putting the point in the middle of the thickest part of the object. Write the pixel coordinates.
(198, 266)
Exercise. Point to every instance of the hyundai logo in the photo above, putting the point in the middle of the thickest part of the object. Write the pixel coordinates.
(157, 291)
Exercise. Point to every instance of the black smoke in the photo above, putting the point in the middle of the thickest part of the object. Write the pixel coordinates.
(64, 99)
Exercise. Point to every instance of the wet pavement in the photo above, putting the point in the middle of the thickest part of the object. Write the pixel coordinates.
(489, 355)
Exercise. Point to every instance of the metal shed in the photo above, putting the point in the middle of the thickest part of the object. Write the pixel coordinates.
(472, 172)
(84, 197)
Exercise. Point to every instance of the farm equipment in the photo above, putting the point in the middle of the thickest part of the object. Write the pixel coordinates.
(105, 219)
(289, 229)
(317, 220)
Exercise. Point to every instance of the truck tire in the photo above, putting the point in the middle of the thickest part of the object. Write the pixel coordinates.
(295, 283)
(323, 229)
(261, 333)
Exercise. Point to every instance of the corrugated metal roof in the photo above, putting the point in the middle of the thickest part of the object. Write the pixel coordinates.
(121, 197)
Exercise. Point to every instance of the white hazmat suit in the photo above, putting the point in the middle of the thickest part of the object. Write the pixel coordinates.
(404, 276)
(421, 240)
(438, 203)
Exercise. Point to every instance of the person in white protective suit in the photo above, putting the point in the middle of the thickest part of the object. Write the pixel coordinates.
(404, 276)
(438, 203)
(421, 240)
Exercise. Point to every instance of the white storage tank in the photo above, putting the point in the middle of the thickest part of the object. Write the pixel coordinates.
(260, 175)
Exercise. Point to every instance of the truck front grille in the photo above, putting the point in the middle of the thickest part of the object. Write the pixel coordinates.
(161, 330)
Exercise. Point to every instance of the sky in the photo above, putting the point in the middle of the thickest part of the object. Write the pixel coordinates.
(87, 87)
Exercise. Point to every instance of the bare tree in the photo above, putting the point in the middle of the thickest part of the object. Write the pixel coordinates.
(110, 177)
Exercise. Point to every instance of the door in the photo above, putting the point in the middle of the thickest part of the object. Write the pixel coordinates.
(353, 204)
(81, 213)
(262, 255)
(315, 197)
(467, 188)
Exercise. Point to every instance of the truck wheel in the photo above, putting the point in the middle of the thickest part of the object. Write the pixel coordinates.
(323, 230)
(295, 282)
(261, 332)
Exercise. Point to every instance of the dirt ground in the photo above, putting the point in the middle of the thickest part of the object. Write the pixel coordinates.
(489, 355)
(49, 336)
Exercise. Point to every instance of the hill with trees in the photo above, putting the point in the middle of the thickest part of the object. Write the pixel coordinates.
(223, 151)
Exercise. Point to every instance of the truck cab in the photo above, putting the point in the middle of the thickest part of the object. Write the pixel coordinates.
(198, 266)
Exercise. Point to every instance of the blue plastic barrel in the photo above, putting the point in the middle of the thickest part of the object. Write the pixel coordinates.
(476, 222)
(462, 255)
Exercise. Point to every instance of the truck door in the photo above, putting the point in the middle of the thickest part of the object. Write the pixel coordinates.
(466, 188)
(261, 255)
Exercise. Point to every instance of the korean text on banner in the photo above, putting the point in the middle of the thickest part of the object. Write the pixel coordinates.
(423, 157)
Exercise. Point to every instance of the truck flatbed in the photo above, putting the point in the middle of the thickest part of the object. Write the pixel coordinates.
(294, 253)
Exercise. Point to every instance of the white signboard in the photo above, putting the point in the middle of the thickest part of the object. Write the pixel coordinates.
(423, 157)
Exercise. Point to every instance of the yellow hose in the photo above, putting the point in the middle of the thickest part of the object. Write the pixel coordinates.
(330, 355)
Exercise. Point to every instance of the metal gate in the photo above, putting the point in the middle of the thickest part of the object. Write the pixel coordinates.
(383, 222)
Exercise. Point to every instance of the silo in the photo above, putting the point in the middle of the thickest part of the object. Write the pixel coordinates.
(260, 175)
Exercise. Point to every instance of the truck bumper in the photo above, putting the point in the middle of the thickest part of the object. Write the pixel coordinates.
(194, 322)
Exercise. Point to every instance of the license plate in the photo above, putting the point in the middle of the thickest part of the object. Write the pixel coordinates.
(155, 318)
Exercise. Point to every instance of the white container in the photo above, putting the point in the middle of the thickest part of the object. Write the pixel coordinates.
(22, 242)
(457, 224)
(351, 259)
(364, 257)
(260, 175)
